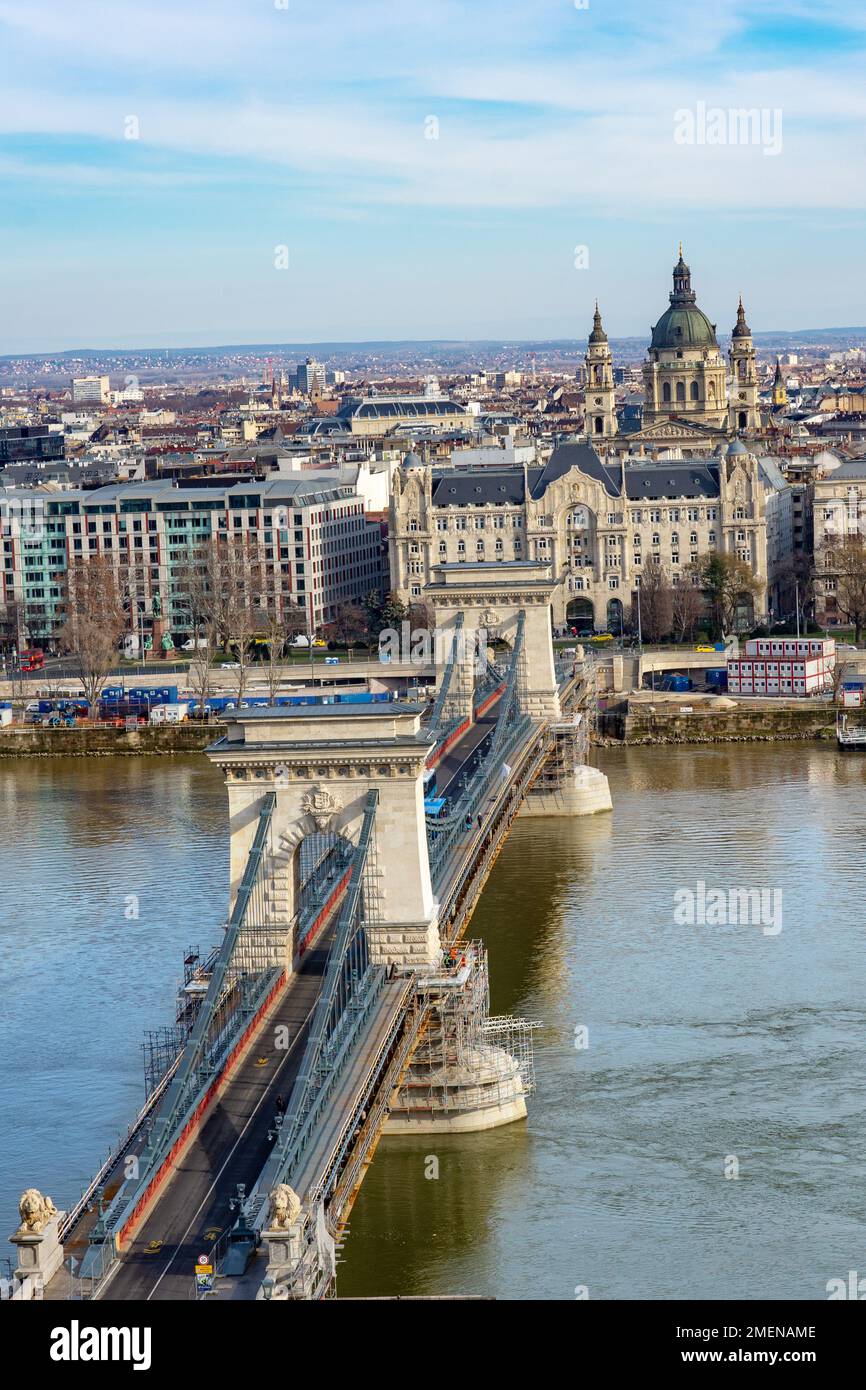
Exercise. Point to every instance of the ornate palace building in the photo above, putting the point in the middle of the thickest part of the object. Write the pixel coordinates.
(597, 521)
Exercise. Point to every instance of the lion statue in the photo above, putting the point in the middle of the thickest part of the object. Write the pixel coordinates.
(285, 1207)
(35, 1210)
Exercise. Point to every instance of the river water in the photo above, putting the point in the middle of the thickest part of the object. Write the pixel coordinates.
(697, 1129)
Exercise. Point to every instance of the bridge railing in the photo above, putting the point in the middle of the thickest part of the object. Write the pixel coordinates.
(437, 723)
(241, 981)
(350, 985)
(512, 727)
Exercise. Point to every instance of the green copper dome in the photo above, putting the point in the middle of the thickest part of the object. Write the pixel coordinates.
(683, 325)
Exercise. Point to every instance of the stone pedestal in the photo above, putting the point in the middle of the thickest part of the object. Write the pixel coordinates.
(159, 649)
(40, 1255)
(584, 793)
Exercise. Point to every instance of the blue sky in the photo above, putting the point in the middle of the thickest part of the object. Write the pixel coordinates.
(264, 124)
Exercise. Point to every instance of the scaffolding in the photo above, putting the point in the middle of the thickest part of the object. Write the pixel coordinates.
(466, 1061)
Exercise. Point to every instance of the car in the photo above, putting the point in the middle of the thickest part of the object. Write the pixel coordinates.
(317, 642)
(705, 649)
(585, 632)
(602, 637)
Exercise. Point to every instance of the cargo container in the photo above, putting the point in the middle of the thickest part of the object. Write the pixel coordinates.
(170, 714)
(791, 676)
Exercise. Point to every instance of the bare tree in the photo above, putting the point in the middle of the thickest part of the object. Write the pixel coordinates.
(843, 561)
(654, 597)
(279, 621)
(687, 605)
(350, 625)
(198, 582)
(94, 622)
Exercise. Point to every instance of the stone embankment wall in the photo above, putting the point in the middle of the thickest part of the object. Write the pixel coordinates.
(642, 724)
(83, 742)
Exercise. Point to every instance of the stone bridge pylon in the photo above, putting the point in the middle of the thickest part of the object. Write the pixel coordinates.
(320, 761)
(491, 596)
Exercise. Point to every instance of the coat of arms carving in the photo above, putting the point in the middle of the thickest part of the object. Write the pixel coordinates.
(321, 805)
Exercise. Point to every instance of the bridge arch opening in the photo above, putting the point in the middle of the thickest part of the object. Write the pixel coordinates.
(309, 866)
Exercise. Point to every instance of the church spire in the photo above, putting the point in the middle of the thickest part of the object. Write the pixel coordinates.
(741, 328)
(598, 334)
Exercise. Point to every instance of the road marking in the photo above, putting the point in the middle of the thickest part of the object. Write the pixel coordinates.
(204, 1199)
(253, 1113)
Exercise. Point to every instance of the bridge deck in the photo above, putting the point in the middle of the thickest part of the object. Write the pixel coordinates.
(231, 1148)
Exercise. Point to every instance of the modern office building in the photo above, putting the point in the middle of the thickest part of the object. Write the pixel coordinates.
(306, 539)
(33, 444)
(93, 390)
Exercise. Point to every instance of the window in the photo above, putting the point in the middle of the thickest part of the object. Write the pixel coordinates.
(666, 391)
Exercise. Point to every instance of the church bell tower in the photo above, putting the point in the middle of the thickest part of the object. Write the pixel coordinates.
(600, 397)
(743, 413)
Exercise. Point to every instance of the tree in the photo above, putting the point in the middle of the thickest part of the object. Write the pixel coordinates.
(94, 622)
(687, 605)
(843, 561)
(198, 594)
(239, 591)
(654, 599)
(388, 612)
(280, 621)
(726, 581)
(350, 625)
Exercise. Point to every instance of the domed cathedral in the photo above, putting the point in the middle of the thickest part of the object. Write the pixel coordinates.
(684, 376)
(600, 394)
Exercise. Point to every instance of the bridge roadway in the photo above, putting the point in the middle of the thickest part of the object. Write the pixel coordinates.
(233, 1145)
(230, 1148)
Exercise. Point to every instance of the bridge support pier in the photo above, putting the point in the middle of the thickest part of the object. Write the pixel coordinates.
(584, 792)
(568, 785)
(469, 1072)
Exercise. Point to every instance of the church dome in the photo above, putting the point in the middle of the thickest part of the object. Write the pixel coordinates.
(683, 325)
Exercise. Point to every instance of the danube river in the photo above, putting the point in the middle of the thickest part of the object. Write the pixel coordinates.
(697, 1129)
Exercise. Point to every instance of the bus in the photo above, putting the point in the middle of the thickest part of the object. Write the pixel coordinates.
(32, 661)
(429, 783)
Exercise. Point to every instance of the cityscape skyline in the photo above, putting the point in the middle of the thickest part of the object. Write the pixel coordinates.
(224, 180)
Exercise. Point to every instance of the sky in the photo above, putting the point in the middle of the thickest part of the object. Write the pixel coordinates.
(193, 172)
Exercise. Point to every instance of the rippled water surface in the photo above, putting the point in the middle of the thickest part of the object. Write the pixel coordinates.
(706, 1043)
